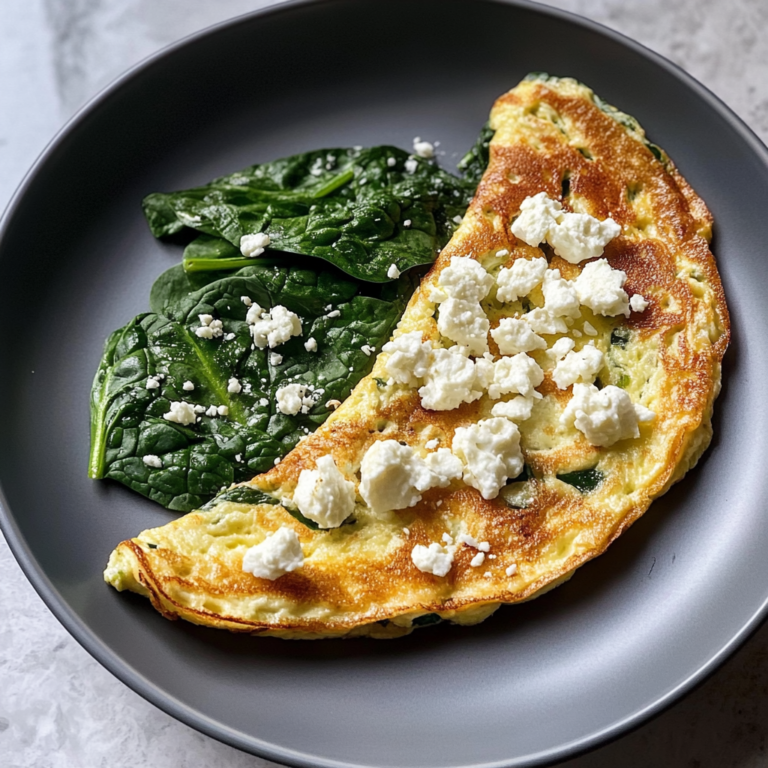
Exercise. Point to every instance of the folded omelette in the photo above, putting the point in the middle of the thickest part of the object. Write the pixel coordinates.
(553, 374)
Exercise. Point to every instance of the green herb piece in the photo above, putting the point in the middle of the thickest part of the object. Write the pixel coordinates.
(584, 480)
(427, 619)
(623, 381)
(620, 336)
(241, 494)
(359, 210)
(127, 419)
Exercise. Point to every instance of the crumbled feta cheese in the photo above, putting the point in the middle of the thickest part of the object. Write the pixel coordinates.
(152, 461)
(238, 457)
(517, 409)
(409, 358)
(538, 216)
(502, 253)
(561, 348)
(457, 219)
(581, 366)
(393, 272)
(433, 559)
(392, 476)
(511, 570)
(234, 386)
(205, 319)
(589, 329)
(519, 374)
(223, 410)
(444, 467)
(490, 451)
(229, 337)
(152, 383)
(188, 386)
(423, 148)
(450, 379)
(464, 278)
(324, 494)
(367, 350)
(391, 162)
(411, 164)
(605, 416)
(279, 553)
(513, 336)
(579, 236)
(246, 300)
(253, 245)
(543, 322)
(199, 409)
(275, 359)
(293, 398)
(333, 313)
(471, 541)
(466, 323)
(274, 327)
(638, 303)
(181, 413)
(310, 345)
(560, 297)
(520, 279)
(407, 223)
(599, 287)
(477, 560)
(212, 411)
(430, 445)
(254, 313)
(447, 538)
(212, 329)
(333, 404)
(263, 402)
(407, 531)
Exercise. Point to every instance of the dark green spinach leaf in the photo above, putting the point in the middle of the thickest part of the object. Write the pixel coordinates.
(199, 459)
(584, 480)
(362, 210)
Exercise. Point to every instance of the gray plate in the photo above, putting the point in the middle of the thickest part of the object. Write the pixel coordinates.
(631, 633)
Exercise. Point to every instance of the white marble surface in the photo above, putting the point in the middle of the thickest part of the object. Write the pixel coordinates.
(58, 707)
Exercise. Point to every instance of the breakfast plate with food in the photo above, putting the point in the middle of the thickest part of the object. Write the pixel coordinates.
(392, 351)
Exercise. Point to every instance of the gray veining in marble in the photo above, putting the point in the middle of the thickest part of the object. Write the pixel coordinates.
(58, 707)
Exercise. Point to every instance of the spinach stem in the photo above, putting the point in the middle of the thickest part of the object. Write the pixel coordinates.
(333, 184)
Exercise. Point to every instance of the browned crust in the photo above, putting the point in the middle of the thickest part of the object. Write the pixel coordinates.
(664, 251)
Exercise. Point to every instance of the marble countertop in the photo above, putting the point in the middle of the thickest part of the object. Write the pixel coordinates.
(58, 707)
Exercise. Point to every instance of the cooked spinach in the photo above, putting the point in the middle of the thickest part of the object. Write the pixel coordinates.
(584, 480)
(361, 210)
(620, 336)
(199, 459)
(241, 494)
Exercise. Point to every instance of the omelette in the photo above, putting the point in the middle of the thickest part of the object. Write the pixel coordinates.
(553, 374)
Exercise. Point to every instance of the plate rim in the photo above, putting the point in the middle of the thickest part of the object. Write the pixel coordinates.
(186, 713)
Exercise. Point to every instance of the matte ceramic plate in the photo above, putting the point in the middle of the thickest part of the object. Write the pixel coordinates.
(628, 635)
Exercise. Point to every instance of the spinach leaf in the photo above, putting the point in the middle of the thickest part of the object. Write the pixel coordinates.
(361, 210)
(584, 480)
(197, 460)
(241, 494)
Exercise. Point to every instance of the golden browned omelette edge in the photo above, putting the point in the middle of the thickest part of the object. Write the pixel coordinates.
(554, 136)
